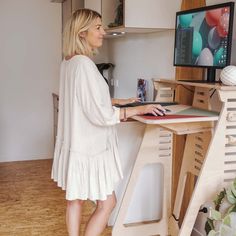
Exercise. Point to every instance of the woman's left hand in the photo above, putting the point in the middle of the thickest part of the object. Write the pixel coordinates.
(128, 100)
(132, 100)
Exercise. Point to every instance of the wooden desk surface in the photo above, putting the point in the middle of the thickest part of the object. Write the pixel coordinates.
(180, 114)
(219, 86)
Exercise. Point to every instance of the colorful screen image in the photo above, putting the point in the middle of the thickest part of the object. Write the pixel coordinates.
(203, 37)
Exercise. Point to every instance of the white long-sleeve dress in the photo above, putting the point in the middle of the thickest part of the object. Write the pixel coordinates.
(86, 162)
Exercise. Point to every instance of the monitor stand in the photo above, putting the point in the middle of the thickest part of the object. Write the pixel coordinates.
(211, 73)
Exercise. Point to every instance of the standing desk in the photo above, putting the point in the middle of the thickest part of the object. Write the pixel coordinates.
(210, 154)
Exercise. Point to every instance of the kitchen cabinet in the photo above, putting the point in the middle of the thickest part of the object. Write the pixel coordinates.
(68, 7)
(95, 5)
(138, 15)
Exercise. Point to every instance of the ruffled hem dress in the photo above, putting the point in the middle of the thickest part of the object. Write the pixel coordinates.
(86, 161)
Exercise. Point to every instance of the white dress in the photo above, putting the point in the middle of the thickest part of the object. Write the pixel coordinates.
(86, 162)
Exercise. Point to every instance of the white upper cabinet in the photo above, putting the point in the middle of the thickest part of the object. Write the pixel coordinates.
(138, 15)
(94, 5)
(68, 7)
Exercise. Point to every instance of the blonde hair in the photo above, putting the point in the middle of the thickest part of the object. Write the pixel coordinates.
(79, 22)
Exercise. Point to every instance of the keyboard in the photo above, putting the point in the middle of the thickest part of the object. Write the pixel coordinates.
(135, 104)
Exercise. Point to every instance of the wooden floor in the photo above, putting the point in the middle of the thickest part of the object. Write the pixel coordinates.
(30, 202)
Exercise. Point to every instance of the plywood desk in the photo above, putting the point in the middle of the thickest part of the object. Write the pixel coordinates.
(210, 157)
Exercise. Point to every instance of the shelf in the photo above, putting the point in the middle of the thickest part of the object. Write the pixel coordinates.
(58, 1)
(188, 128)
(201, 85)
(118, 30)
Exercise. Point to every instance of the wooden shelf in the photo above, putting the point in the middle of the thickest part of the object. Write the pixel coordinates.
(123, 29)
(188, 128)
(196, 84)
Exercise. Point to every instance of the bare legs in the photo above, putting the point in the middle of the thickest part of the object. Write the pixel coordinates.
(97, 221)
(73, 216)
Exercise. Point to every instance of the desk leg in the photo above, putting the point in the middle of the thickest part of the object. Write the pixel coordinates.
(156, 147)
(194, 153)
(210, 180)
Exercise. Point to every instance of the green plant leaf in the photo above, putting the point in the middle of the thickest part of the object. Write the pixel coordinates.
(234, 183)
(226, 230)
(224, 206)
(231, 209)
(227, 220)
(230, 196)
(215, 215)
(233, 189)
(219, 199)
(209, 225)
(212, 233)
(232, 222)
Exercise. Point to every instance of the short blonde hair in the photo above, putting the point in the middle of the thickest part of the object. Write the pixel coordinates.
(79, 22)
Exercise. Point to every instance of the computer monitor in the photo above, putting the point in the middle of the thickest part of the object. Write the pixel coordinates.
(203, 38)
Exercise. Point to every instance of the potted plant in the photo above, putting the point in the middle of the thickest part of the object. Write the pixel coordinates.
(222, 218)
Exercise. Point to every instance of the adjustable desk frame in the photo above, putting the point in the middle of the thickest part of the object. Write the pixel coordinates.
(209, 154)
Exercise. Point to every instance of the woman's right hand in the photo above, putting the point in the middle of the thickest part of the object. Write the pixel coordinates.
(155, 109)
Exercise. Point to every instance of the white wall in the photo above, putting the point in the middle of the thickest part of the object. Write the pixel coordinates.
(102, 55)
(30, 46)
(143, 56)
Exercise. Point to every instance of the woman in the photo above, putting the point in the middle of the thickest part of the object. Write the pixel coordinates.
(86, 162)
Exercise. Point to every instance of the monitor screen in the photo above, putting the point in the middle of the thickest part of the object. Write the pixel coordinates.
(203, 36)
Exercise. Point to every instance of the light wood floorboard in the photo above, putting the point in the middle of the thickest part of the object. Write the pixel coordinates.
(31, 203)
